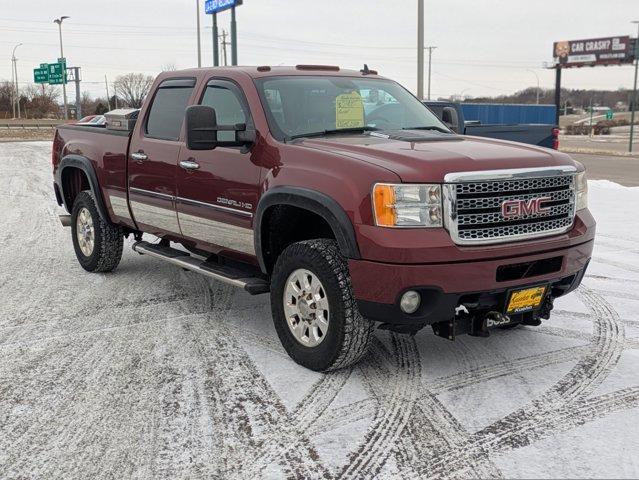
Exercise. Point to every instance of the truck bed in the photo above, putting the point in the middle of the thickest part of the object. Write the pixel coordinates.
(107, 150)
(525, 133)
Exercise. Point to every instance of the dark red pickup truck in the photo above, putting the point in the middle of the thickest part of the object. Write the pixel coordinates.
(297, 181)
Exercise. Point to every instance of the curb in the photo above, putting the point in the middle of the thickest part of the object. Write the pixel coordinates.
(592, 151)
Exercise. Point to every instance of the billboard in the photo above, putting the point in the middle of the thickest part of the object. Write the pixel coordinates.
(594, 51)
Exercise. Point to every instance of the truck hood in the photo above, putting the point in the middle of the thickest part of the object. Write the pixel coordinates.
(422, 157)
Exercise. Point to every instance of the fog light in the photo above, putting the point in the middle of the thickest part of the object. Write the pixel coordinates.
(409, 303)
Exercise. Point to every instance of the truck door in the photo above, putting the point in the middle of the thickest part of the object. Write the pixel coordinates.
(152, 158)
(218, 190)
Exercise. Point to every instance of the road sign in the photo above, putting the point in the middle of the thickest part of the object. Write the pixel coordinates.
(609, 114)
(57, 73)
(41, 75)
(217, 6)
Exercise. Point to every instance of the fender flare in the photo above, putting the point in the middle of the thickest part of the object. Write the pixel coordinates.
(84, 164)
(316, 202)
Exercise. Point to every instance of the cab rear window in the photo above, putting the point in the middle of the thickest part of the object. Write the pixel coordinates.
(167, 110)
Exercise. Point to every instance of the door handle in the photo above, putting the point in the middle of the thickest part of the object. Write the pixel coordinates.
(189, 164)
(139, 156)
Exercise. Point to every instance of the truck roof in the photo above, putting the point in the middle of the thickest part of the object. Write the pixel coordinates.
(272, 71)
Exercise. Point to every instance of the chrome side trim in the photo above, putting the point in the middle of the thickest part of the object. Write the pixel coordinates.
(514, 173)
(149, 193)
(217, 233)
(214, 207)
(158, 217)
(120, 206)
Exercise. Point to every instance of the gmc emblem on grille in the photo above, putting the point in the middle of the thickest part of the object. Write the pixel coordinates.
(520, 208)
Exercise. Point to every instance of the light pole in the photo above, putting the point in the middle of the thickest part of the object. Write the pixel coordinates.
(430, 55)
(634, 89)
(199, 43)
(537, 77)
(64, 72)
(14, 76)
(420, 49)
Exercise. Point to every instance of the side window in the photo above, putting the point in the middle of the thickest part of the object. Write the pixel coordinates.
(228, 108)
(167, 110)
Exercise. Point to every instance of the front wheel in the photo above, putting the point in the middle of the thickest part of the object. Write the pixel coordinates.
(98, 244)
(314, 311)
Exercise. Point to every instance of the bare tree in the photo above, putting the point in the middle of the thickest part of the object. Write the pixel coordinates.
(133, 87)
(40, 101)
(6, 95)
(169, 67)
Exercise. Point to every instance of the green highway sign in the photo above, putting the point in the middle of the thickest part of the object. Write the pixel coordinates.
(609, 115)
(57, 74)
(41, 75)
(52, 73)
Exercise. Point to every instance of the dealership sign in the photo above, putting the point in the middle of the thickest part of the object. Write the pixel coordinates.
(594, 51)
(216, 6)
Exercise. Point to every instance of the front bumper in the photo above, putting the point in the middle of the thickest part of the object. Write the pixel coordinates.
(378, 286)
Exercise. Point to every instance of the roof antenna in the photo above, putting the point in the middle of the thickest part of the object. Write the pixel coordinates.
(367, 71)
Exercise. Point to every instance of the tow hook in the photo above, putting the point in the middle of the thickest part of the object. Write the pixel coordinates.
(474, 325)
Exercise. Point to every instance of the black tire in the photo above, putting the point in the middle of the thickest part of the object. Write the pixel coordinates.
(348, 334)
(108, 238)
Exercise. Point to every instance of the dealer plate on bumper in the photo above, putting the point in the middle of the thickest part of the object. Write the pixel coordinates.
(526, 299)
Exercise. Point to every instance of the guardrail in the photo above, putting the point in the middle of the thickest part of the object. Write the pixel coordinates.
(28, 126)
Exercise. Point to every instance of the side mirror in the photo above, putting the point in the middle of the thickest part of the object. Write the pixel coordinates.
(450, 118)
(202, 128)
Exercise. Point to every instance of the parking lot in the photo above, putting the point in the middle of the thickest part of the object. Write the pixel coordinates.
(156, 372)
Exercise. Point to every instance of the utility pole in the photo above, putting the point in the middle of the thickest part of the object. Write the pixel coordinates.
(15, 88)
(199, 43)
(224, 44)
(634, 89)
(216, 54)
(420, 49)
(106, 84)
(537, 77)
(430, 55)
(233, 38)
(64, 73)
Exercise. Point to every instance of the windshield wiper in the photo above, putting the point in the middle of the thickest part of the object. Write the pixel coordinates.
(335, 131)
(430, 127)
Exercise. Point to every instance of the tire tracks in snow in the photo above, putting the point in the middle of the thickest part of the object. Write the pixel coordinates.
(394, 412)
(525, 425)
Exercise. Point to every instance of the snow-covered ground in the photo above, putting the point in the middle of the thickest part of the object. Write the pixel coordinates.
(153, 372)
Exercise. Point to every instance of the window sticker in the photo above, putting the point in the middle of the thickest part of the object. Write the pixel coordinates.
(349, 110)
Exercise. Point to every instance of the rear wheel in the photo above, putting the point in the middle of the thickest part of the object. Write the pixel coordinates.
(314, 311)
(97, 243)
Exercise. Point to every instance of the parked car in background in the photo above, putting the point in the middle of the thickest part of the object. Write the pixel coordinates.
(95, 120)
(452, 114)
(86, 119)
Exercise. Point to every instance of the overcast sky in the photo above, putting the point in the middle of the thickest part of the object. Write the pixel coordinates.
(484, 47)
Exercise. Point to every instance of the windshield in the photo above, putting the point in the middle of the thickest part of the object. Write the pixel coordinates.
(299, 106)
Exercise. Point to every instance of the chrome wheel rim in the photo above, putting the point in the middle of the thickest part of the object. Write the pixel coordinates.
(85, 232)
(306, 307)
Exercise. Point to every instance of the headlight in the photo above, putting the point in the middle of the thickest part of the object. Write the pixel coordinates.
(581, 191)
(407, 205)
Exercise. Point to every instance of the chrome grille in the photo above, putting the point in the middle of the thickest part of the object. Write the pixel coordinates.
(473, 204)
